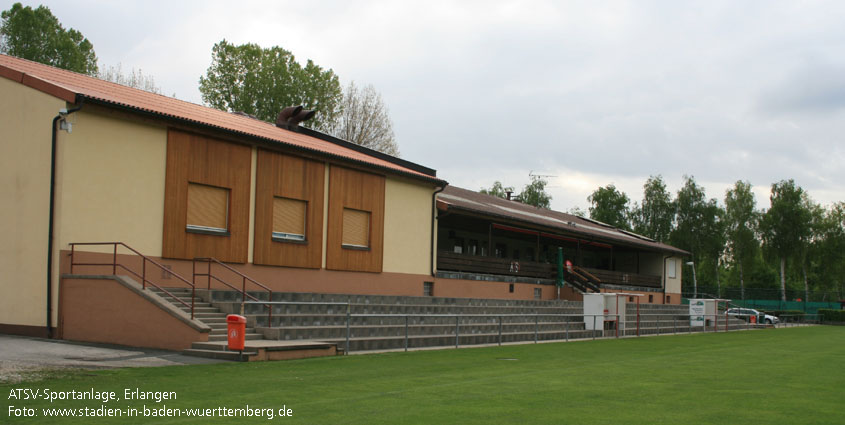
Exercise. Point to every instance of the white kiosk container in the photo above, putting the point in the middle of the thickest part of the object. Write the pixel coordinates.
(604, 308)
(702, 311)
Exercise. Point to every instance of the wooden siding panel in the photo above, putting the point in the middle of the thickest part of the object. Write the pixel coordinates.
(193, 158)
(289, 177)
(359, 191)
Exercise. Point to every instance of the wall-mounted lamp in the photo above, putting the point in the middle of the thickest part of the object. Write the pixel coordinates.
(64, 124)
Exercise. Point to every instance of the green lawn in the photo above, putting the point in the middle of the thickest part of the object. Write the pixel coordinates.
(776, 376)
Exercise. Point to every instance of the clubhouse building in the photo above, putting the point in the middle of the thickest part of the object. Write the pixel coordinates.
(157, 183)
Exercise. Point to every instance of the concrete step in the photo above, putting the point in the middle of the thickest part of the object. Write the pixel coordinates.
(328, 332)
(392, 343)
(680, 329)
(223, 337)
(209, 318)
(175, 291)
(272, 350)
(313, 319)
(209, 309)
(260, 309)
(219, 326)
(223, 330)
(223, 296)
(219, 355)
(196, 304)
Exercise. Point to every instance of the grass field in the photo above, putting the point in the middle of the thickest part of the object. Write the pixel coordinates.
(777, 376)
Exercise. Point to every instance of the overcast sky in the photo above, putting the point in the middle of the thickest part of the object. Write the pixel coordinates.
(589, 92)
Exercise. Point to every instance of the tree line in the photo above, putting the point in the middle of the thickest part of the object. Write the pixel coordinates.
(731, 243)
(794, 244)
(245, 78)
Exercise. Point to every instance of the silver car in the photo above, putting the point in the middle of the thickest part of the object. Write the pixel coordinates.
(747, 313)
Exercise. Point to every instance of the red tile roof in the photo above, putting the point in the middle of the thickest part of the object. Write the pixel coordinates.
(456, 199)
(69, 86)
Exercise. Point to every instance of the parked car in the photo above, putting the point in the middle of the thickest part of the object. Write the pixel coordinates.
(747, 313)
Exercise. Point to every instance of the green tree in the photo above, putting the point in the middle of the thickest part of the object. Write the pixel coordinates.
(535, 194)
(818, 222)
(741, 222)
(498, 190)
(698, 227)
(610, 206)
(713, 239)
(364, 120)
(828, 250)
(653, 218)
(37, 35)
(786, 225)
(262, 81)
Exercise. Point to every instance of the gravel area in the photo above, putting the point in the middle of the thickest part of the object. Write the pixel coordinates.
(25, 358)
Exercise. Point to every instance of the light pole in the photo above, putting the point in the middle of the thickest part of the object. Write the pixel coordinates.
(694, 282)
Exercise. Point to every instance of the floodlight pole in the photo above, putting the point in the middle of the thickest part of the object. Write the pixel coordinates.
(694, 281)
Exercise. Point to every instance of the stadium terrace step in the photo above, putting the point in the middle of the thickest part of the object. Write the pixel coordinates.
(330, 332)
(415, 341)
(380, 322)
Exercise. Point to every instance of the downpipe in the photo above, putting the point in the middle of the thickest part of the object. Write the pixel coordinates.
(63, 113)
(433, 226)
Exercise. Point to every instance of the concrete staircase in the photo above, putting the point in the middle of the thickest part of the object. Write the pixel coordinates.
(216, 347)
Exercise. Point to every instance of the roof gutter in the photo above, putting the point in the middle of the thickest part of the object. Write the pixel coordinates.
(53, 129)
(433, 226)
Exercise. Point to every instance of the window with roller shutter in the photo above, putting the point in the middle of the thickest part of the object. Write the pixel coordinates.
(289, 217)
(356, 229)
(208, 209)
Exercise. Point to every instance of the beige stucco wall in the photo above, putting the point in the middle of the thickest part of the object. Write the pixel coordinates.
(112, 182)
(673, 286)
(407, 226)
(25, 118)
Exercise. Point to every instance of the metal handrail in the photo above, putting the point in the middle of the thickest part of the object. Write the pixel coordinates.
(585, 283)
(590, 275)
(142, 276)
(244, 279)
(615, 318)
(293, 303)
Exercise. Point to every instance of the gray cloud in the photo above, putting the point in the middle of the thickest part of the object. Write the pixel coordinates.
(591, 92)
(815, 88)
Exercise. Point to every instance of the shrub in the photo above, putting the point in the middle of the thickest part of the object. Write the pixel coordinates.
(793, 314)
(830, 315)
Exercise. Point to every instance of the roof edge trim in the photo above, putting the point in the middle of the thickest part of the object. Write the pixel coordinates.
(371, 152)
(39, 84)
(11, 74)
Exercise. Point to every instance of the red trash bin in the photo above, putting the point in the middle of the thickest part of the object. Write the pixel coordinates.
(236, 327)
